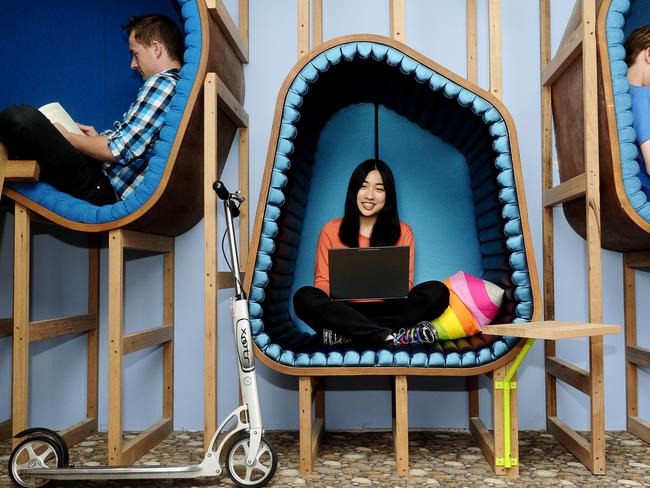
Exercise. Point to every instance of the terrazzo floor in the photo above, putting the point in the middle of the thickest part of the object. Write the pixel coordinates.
(365, 459)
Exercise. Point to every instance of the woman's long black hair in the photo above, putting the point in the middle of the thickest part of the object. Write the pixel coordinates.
(386, 231)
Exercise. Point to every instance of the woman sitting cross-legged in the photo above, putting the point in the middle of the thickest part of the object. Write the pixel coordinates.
(370, 219)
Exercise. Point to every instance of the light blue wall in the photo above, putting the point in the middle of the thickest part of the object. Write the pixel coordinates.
(437, 29)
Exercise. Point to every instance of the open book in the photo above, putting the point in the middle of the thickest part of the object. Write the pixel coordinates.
(56, 113)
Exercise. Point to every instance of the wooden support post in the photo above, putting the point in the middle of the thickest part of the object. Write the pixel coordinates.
(115, 354)
(401, 425)
(305, 392)
(123, 453)
(5, 326)
(168, 345)
(303, 27)
(472, 44)
(496, 83)
(497, 416)
(216, 94)
(92, 380)
(16, 171)
(210, 259)
(6, 330)
(244, 210)
(317, 22)
(319, 400)
(312, 420)
(20, 399)
(590, 114)
(244, 22)
(631, 376)
(512, 470)
(318, 428)
(472, 394)
(635, 356)
(397, 20)
(547, 217)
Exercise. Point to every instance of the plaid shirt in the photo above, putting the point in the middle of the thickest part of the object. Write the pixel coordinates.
(133, 139)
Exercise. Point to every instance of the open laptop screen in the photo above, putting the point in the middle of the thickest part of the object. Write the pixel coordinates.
(369, 272)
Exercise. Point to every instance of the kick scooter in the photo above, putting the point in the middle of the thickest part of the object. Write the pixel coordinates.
(250, 460)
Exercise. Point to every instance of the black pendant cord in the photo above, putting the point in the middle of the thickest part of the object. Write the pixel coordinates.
(376, 131)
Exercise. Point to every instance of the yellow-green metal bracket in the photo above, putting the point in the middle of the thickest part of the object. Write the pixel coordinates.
(507, 461)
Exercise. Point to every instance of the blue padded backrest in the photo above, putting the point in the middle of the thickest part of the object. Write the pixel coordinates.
(623, 17)
(64, 56)
(450, 151)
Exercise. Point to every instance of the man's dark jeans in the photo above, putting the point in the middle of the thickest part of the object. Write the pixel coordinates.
(28, 134)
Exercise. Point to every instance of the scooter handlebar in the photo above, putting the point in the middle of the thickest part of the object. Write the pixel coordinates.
(221, 190)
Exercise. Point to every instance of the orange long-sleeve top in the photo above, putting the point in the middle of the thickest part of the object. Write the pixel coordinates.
(329, 239)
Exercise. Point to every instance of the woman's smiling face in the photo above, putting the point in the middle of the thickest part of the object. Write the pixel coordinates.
(371, 196)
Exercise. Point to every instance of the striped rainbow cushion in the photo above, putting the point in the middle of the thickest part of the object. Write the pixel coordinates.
(473, 303)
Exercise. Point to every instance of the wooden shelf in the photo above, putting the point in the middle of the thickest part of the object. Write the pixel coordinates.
(551, 329)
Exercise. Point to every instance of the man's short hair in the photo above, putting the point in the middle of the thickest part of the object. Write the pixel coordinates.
(638, 41)
(157, 27)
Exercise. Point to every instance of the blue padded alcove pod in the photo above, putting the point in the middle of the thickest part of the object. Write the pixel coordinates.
(452, 148)
(65, 57)
(625, 209)
(622, 18)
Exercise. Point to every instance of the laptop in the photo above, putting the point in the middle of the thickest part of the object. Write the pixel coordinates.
(369, 272)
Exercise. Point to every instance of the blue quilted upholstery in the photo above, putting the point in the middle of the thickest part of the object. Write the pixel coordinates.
(80, 211)
(623, 17)
(344, 78)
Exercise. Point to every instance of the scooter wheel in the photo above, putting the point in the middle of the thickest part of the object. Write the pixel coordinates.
(33, 453)
(260, 472)
(34, 431)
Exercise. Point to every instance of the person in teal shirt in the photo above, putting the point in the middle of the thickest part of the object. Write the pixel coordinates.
(637, 48)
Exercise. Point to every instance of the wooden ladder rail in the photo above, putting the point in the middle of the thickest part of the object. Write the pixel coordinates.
(6, 330)
(491, 443)
(218, 97)
(581, 43)
(11, 170)
(119, 452)
(26, 332)
(311, 400)
(635, 355)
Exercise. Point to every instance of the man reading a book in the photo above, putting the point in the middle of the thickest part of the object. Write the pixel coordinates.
(104, 168)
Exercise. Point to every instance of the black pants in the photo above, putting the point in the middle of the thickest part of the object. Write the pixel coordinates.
(370, 322)
(28, 134)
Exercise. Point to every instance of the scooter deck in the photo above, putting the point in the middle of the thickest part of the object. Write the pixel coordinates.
(106, 473)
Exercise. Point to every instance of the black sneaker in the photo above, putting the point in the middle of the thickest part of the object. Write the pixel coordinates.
(422, 333)
(331, 338)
